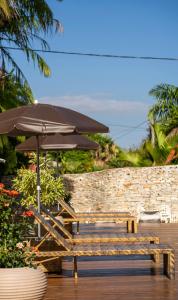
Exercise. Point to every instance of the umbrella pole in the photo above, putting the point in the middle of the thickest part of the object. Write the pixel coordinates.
(57, 165)
(45, 159)
(57, 174)
(38, 182)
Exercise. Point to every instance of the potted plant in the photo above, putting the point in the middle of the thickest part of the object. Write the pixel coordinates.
(19, 279)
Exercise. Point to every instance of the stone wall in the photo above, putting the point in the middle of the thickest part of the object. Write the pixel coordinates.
(136, 190)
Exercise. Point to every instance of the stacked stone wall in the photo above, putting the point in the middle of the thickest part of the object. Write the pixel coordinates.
(136, 190)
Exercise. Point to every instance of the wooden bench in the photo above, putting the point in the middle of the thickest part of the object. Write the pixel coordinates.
(117, 250)
(70, 250)
(67, 208)
(99, 238)
(116, 217)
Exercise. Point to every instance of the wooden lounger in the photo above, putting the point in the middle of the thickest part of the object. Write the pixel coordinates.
(91, 249)
(131, 221)
(116, 250)
(68, 209)
(98, 238)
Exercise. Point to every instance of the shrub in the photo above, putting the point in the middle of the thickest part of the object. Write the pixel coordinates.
(51, 188)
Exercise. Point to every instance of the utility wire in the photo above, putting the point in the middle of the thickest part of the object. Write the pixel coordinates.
(130, 131)
(94, 54)
(125, 126)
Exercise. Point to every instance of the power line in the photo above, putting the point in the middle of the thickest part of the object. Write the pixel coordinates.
(95, 54)
(130, 131)
(125, 126)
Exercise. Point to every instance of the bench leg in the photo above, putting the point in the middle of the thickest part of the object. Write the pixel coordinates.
(78, 227)
(169, 265)
(134, 227)
(75, 268)
(155, 257)
(129, 227)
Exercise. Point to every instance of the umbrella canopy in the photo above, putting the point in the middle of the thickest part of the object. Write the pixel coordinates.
(46, 119)
(58, 142)
(30, 126)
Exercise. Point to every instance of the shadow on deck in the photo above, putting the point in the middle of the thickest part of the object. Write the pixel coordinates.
(112, 278)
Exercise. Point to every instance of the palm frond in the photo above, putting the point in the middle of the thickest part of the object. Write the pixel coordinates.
(173, 133)
(3, 141)
(5, 9)
(42, 65)
(19, 74)
(160, 136)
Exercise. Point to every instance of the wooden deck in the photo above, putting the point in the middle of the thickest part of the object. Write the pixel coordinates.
(113, 278)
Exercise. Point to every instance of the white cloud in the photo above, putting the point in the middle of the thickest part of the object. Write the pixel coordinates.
(97, 104)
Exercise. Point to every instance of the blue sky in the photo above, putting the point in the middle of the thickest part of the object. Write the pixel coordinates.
(112, 91)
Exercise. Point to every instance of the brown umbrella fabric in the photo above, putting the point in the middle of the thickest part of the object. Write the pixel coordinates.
(58, 142)
(45, 119)
(30, 126)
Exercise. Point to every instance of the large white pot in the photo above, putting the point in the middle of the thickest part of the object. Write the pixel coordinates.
(22, 284)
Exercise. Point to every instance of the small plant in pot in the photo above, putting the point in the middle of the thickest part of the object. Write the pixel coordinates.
(19, 279)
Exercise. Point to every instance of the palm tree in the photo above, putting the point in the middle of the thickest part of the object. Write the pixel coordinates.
(22, 23)
(107, 150)
(165, 111)
(13, 94)
(173, 154)
(167, 101)
(164, 151)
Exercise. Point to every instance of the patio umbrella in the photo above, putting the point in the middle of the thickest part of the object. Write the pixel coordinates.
(57, 142)
(45, 119)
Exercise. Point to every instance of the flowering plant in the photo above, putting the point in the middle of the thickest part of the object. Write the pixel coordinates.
(14, 226)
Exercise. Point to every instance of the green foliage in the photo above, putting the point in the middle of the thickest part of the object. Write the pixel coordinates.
(118, 162)
(21, 25)
(149, 154)
(76, 161)
(14, 225)
(9, 155)
(134, 158)
(163, 117)
(51, 188)
(12, 94)
(107, 154)
(165, 110)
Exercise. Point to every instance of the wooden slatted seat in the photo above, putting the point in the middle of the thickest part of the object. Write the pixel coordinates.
(99, 238)
(91, 249)
(117, 217)
(117, 250)
(72, 213)
(116, 237)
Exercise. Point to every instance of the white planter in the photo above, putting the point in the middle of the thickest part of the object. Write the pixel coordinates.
(22, 284)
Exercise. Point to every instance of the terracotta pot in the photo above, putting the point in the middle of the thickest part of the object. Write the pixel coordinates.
(22, 284)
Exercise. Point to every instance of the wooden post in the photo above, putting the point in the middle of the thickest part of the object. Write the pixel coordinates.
(155, 257)
(78, 227)
(75, 268)
(169, 264)
(134, 226)
(129, 226)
